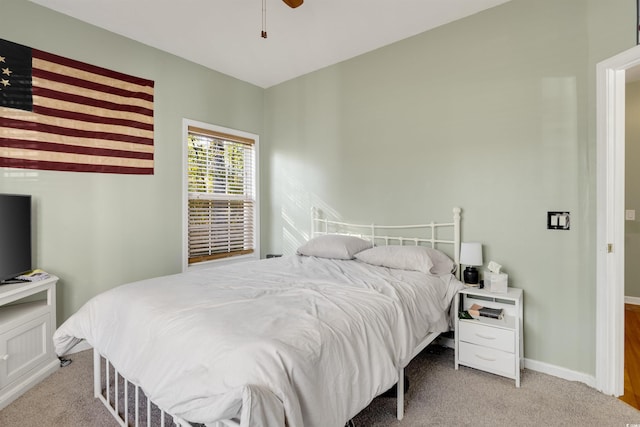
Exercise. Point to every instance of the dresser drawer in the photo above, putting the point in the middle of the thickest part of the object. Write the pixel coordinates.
(488, 359)
(477, 333)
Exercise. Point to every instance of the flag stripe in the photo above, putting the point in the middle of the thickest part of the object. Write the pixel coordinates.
(36, 119)
(46, 128)
(83, 100)
(93, 69)
(54, 112)
(66, 148)
(71, 167)
(62, 114)
(53, 156)
(40, 73)
(35, 136)
(66, 87)
(95, 114)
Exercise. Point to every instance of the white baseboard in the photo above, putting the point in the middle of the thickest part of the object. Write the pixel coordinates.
(632, 300)
(16, 389)
(557, 371)
(545, 368)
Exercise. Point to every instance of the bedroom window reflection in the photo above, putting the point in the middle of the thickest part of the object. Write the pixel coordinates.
(222, 197)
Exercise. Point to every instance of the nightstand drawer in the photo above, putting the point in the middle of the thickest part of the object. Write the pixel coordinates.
(488, 359)
(477, 333)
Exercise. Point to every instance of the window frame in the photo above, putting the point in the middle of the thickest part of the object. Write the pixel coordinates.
(186, 124)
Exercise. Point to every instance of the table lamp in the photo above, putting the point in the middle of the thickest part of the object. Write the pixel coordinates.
(471, 256)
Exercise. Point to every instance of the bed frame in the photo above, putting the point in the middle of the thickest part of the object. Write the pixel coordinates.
(130, 407)
(396, 235)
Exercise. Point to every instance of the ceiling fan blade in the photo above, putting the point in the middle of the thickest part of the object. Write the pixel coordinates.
(293, 3)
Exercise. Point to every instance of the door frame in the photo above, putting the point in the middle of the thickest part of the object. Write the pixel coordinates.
(610, 186)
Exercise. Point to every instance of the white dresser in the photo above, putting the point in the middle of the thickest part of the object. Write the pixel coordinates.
(492, 345)
(27, 322)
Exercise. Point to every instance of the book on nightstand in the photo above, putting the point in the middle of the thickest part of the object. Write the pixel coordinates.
(494, 313)
(465, 315)
(34, 276)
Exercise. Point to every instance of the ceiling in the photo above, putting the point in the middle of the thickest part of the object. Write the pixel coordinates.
(224, 35)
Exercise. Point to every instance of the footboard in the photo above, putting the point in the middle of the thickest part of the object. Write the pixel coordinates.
(126, 401)
(128, 404)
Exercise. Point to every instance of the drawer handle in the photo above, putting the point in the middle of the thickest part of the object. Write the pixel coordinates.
(486, 337)
(488, 359)
(5, 357)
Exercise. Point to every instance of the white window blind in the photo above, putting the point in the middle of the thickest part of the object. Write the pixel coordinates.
(221, 169)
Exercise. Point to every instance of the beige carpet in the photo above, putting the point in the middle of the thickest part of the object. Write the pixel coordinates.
(439, 396)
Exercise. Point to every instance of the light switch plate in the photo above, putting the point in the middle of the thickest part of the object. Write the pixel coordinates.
(558, 220)
(630, 214)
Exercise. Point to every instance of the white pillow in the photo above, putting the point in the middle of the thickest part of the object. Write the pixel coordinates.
(417, 258)
(334, 246)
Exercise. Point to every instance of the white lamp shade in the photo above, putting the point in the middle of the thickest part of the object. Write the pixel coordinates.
(471, 253)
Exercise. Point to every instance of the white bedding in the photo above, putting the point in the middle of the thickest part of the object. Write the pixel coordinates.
(305, 339)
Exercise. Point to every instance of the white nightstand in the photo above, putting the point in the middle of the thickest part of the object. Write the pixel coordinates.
(27, 322)
(492, 345)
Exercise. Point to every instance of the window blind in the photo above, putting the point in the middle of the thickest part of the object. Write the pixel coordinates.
(221, 187)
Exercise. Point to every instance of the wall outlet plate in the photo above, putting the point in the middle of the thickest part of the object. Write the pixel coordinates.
(558, 220)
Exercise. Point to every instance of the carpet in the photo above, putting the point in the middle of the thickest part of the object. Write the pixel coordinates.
(439, 396)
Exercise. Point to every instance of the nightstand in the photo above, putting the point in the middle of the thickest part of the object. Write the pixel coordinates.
(27, 322)
(491, 345)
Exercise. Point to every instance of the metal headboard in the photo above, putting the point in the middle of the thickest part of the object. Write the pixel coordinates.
(391, 234)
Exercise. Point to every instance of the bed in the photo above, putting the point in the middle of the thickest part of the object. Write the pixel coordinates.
(301, 340)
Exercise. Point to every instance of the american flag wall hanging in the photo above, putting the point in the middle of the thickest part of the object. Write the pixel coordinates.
(65, 115)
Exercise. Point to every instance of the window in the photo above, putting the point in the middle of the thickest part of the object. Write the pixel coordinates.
(221, 181)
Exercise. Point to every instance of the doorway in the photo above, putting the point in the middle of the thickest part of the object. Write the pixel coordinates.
(632, 241)
(610, 149)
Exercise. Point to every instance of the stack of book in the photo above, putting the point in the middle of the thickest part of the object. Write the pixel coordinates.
(477, 311)
(33, 276)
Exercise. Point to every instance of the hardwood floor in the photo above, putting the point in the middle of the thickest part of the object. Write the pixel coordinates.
(631, 355)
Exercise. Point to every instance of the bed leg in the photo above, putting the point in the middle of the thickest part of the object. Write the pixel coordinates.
(400, 394)
(97, 380)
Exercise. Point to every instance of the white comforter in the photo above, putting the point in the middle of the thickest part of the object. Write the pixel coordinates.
(307, 340)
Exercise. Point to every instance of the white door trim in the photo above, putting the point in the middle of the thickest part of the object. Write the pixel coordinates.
(610, 146)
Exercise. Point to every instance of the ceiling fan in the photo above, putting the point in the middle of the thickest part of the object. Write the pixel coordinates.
(293, 3)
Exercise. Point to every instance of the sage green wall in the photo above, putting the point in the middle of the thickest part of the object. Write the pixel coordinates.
(494, 113)
(96, 231)
(632, 191)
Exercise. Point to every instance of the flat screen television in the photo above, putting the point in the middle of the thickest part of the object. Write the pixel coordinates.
(15, 236)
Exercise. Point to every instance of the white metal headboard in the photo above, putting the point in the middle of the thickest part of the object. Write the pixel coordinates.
(392, 234)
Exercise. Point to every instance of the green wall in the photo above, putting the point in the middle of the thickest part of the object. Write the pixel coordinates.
(96, 231)
(494, 113)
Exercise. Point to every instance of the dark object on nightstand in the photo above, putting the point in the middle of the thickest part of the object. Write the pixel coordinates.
(471, 275)
(465, 315)
(273, 256)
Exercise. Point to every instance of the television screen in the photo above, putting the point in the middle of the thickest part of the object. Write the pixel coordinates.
(15, 235)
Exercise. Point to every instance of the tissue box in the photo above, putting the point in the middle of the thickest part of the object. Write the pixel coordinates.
(495, 282)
